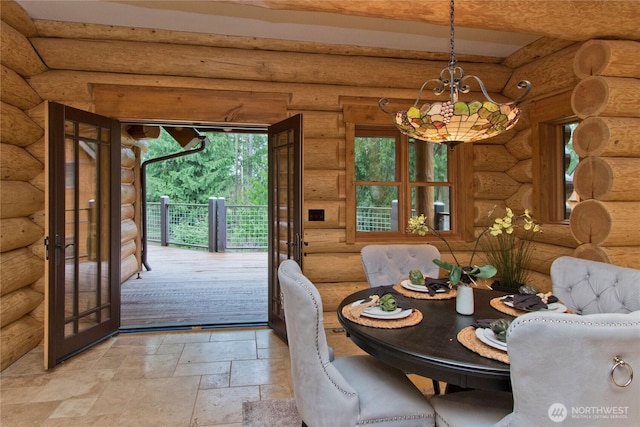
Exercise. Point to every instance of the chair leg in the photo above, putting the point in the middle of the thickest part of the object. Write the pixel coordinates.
(450, 388)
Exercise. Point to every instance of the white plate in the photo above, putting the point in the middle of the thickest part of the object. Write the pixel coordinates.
(556, 307)
(483, 335)
(378, 313)
(418, 288)
(491, 336)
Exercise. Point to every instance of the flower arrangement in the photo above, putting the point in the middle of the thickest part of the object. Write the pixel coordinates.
(510, 249)
(457, 273)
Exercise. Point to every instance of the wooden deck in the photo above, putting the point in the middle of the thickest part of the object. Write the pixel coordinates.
(196, 288)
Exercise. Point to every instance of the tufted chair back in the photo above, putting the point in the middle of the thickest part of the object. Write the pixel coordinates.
(566, 370)
(590, 287)
(387, 264)
(569, 360)
(347, 391)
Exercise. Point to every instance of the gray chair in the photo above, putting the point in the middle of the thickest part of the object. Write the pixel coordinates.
(348, 391)
(387, 264)
(563, 372)
(590, 287)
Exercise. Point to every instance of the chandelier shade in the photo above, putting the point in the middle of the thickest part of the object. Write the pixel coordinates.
(444, 122)
(452, 122)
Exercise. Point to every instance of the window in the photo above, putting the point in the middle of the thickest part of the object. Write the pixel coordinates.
(396, 177)
(554, 159)
(569, 163)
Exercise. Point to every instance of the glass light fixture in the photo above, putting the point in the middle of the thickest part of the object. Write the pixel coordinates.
(452, 122)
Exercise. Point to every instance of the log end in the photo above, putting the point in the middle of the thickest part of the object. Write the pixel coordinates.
(591, 252)
(590, 137)
(591, 59)
(590, 97)
(590, 222)
(593, 178)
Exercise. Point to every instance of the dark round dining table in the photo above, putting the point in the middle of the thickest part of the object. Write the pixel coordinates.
(431, 348)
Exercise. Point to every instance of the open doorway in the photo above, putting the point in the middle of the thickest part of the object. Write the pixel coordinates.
(206, 230)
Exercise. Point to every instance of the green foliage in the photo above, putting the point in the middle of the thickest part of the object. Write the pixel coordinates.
(375, 161)
(233, 166)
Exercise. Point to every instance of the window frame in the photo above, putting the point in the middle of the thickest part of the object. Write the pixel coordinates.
(460, 168)
(548, 117)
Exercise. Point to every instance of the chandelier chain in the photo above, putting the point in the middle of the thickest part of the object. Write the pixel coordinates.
(453, 59)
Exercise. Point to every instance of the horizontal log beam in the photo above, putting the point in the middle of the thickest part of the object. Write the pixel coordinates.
(606, 96)
(19, 268)
(17, 304)
(13, 14)
(17, 338)
(607, 137)
(16, 164)
(548, 75)
(14, 90)
(607, 178)
(606, 223)
(623, 256)
(242, 64)
(19, 198)
(17, 52)
(17, 128)
(155, 103)
(544, 17)
(487, 185)
(74, 30)
(614, 58)
(18, 232)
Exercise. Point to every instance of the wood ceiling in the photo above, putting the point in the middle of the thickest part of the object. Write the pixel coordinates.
(565, 19)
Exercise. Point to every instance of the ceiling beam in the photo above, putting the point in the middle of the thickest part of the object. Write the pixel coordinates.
(566, 19)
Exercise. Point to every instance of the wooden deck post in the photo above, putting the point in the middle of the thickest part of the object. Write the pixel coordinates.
(164, 220)
(212, 221)
(222, 225)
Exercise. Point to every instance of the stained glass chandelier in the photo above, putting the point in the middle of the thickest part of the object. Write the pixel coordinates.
(452, 122)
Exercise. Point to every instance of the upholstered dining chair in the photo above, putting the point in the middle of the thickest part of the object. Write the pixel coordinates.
(348, 391)
(566, 370)
(590, 287)
(386, 264)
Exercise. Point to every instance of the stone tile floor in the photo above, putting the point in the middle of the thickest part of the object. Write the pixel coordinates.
(197, 378)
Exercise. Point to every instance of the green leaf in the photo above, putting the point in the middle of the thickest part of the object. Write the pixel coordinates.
(455, 275)
(485, 271)
(443, 264)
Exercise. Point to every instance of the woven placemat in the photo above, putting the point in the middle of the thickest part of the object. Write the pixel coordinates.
(501, 307)
(413, 319)
(467, 337)
(425, 295)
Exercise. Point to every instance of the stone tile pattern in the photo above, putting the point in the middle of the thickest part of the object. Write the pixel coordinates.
(194, 378)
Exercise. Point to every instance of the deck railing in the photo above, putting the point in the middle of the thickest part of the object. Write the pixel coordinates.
(219, 227)
(215, 226)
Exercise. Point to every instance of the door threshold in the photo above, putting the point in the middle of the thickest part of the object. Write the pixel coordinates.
(186, 327)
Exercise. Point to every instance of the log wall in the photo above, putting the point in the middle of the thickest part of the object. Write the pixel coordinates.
(22, 196)
(604, 222)
(152, 65)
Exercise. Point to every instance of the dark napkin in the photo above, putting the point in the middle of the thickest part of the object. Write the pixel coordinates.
(434, 285)
(529, 302)
(403, 302)
(482, 323)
